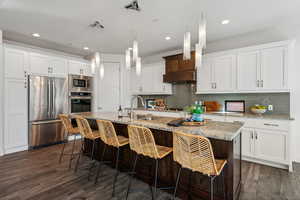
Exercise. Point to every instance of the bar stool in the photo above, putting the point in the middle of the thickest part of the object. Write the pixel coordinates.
(195, 152)
(141, 141)
(110, 138)
(71, 131)
(86, 133)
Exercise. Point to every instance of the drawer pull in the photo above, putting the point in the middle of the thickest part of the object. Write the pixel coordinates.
(267, 124)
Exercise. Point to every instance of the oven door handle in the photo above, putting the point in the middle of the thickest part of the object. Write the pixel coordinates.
(80, 97)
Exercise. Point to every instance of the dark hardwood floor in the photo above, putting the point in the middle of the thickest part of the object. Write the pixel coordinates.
(36, 175)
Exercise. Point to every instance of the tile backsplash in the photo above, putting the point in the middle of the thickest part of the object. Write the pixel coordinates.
(184, 94)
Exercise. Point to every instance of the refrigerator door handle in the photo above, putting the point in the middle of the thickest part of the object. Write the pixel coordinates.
(53, 100)
(48, 98)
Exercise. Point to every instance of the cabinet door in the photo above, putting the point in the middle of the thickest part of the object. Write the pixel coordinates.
(273, 68)
(86, 69)
(75, 68)
(59, 67)
(15, 63)
(271, 145)
(224, 73)
(39, 64)
(147, 79)
(248, 71)
(135, 83)
(15, 137)
(247, 142)
(204, 77)
(109, 88)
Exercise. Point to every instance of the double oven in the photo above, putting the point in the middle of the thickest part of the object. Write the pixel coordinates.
(80, 93)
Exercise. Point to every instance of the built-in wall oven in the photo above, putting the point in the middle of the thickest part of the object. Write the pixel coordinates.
(80, 102)
(79, 83)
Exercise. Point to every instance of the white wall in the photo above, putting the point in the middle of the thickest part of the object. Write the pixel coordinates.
(1, 94)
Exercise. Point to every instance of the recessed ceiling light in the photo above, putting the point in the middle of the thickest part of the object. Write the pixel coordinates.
(85, 48)
(36, 35)
(130, 48)
(226, 21)
(168, 38)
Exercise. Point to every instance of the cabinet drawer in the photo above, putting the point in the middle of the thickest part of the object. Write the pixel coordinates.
(268, 124)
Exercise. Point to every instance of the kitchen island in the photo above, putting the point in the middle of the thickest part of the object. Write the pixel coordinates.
(225, 138)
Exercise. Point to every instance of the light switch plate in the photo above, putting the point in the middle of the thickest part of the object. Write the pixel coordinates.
(270, 107)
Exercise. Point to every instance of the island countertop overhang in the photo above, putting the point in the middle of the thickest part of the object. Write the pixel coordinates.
(213, 129)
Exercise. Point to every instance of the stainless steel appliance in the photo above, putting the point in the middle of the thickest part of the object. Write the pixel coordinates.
(48, 97)
(80, 102)
(79, 83)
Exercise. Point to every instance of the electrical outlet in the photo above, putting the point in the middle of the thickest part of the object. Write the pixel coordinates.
(270, 107)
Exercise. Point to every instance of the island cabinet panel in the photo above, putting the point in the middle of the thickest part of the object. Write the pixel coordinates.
(192, 185)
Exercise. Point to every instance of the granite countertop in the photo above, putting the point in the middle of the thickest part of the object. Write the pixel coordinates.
(232, 114)
(213, 129)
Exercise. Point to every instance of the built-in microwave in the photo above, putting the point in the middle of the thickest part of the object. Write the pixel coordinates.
(79, 83)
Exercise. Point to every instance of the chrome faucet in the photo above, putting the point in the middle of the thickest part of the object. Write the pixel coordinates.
(131, 104)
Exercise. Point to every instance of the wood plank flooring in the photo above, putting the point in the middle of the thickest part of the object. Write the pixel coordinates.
(37, 175)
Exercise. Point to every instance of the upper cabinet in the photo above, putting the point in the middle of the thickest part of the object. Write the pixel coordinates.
(150, 81)
(253, 69)
(216, 74)
(47, 65)
(79, 68)
(16, 63)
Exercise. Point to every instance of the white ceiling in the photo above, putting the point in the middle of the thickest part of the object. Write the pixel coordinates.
(63, 24)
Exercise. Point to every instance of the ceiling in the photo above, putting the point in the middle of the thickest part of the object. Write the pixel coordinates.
(64, 24)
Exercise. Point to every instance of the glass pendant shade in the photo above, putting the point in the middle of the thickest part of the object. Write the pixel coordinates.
(198, 56)
(187, 46)
(138, 68)
(128, 59)
(101, 71)
(135, 51)
(97, 59)
(202, 32)
(93, 66)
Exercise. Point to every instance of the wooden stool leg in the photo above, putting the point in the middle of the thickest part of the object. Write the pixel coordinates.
(117, 173)
(72, 152)
(177, 181)
(62, 152)
(224, 187)
(155, 181)
(131, 175)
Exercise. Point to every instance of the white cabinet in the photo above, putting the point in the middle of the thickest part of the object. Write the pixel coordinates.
(224, 73)
(217, 75)
(79, 68)
(273, 68)
(47, 66)
(15, 100)
(248, 71)
(15, 63)
(150, 81)
(247, 142)
(271, 145)
(261, 68)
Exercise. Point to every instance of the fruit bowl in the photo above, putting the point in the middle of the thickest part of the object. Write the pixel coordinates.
(258, 110)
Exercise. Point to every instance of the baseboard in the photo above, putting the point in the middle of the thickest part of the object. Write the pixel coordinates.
(268, 163)
(15, 149)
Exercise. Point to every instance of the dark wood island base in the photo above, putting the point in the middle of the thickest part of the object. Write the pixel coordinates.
(192, 185)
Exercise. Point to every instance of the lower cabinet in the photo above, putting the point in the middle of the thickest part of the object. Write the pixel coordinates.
(15, 128)
(265, 145)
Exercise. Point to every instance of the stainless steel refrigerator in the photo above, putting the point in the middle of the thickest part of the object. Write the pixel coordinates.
(48, 97)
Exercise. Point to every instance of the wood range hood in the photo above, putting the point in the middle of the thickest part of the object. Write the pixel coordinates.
(179, 70)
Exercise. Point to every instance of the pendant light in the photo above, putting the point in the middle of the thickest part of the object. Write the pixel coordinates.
(135, 50)
(97, 59)
(127, 59)
(101, 71)
(187, 46)
(201, 43)
(138, 67)
(93, 66)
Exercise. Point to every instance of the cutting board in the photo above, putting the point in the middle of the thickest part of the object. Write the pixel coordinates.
(212, 106)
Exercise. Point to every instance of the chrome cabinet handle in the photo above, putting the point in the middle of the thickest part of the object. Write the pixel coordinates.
(25, 79)
(256, 137)
(267, 124)
(262, 83)
(251, 135)
(257, 83)
(215, 85)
